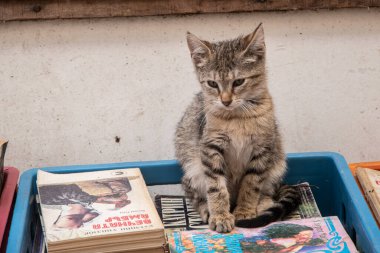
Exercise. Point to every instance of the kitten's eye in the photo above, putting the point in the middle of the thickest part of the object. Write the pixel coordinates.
(212, 84)
(238, 82)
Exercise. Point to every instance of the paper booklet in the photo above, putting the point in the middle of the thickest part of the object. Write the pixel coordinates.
(98, 204)
(323, 234)
(369, 179)
(177, 213)
(308, 207)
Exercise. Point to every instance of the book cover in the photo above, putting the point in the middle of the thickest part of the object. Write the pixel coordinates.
(369, 179)
(80, 205)
(308, 207)
(3, 148)
(177, 212)
(323, 234)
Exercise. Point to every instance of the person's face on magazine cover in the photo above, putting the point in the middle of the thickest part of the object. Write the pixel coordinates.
(304, 236)
(118, 187)
(300, 238)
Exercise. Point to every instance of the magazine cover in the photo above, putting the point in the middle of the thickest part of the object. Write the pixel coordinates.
(306, 235)
(177, 212)
(88, 204)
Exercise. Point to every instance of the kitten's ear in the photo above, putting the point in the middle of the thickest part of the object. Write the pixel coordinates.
(199, 49)
(254, 42)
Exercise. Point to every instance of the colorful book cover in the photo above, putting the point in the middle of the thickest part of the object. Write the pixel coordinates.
(109, 202)
(323, 234)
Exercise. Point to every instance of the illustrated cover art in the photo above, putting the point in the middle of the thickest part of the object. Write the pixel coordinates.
(305, 235)
(89, 204)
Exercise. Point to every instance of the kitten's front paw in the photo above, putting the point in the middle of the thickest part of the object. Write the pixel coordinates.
(203, 211)
(222, 223)
(244, 214)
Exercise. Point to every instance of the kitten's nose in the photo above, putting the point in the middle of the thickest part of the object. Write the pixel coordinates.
(226, 98)
(227, 102)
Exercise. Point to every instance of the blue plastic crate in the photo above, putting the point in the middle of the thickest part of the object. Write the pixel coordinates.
(335, 191)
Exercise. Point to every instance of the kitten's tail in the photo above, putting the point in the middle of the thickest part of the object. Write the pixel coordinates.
(286, 201)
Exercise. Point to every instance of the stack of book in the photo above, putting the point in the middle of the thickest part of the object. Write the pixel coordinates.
(111, 211)
(105, 211)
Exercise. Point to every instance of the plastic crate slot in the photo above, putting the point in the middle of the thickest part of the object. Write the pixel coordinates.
(353, 236)
(343, 214)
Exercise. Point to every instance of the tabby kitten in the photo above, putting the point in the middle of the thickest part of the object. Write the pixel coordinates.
(228, 142)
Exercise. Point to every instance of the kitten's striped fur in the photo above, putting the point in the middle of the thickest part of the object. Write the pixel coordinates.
(228, 142)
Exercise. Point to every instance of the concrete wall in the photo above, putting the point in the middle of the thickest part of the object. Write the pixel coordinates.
(68, 88)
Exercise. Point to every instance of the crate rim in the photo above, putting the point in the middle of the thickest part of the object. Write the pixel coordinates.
(66, 168)
(21, 210)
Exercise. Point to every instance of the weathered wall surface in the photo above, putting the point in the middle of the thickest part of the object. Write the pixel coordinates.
(69, 87)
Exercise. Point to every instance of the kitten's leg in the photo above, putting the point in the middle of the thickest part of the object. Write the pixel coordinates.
(265, 202)
(212, 150)
(287, 195)
(199, 203)
(249, 195)
(259, 184)
(269, 190)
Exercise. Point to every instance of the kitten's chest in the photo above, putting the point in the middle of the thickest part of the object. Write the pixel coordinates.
(239, 151)
(238, 154)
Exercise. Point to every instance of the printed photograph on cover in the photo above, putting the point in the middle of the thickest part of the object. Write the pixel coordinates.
(82, 202)
(308, 235)
(105, 205)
